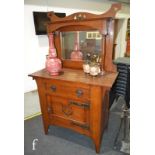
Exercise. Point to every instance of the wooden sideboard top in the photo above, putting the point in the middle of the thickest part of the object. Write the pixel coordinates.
(78, 76)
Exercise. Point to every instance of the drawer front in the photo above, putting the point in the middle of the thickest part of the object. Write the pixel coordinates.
(68, 109)
(76, 126)
(67, 89)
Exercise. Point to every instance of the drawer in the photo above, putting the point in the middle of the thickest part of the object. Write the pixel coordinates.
(68, 109)
(76, 126)
(67, 89)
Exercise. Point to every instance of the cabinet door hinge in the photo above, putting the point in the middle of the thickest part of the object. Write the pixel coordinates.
(49, 109)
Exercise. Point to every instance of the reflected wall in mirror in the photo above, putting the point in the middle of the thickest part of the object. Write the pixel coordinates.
(77, 44)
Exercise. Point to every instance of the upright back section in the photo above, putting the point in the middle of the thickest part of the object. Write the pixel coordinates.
(85, 23)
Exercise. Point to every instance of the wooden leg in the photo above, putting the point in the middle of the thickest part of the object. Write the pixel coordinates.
(97, 143)
(43, 100)
(46, 129)
(96, 116)
(107, 109)
(45, 125)
(106, 126)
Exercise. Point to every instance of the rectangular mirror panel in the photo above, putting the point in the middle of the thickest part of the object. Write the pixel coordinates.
(76, 44)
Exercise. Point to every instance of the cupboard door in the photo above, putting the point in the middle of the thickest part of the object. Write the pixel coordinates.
(68, 109)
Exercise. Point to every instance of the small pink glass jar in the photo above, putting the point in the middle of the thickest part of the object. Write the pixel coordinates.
(53, 64)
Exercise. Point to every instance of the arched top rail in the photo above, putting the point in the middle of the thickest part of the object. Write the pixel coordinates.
(84, 16)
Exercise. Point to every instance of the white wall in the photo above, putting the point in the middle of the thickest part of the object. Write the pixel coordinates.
(36, 47)
(91, 5)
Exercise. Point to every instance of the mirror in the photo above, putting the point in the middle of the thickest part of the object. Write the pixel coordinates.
(77, 44)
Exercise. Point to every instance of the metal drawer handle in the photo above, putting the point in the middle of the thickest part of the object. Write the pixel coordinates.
(82, 105)
(79, 92)
(53, 88)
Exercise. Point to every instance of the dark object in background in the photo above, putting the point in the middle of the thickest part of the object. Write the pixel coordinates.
(121, 86)
(40, 19)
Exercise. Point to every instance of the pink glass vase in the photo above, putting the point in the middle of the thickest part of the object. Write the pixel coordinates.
(76, 53)
(53, 64)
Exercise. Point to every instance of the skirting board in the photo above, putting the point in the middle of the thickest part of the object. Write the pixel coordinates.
(31, 116)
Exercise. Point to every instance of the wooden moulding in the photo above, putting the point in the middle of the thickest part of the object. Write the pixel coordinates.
(79, 16)
(85, 19)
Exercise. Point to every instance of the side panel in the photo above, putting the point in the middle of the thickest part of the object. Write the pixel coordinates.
(43, 103)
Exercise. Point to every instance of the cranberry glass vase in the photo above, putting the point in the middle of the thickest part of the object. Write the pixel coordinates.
(53, 64)
(76, 53)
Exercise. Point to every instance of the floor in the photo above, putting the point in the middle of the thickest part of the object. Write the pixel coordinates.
(61, 141)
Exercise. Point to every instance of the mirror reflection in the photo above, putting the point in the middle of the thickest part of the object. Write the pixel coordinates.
(77, 44)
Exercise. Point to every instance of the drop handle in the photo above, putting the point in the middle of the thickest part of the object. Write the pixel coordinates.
(79, 92)
(53, 88)
(84, 126)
